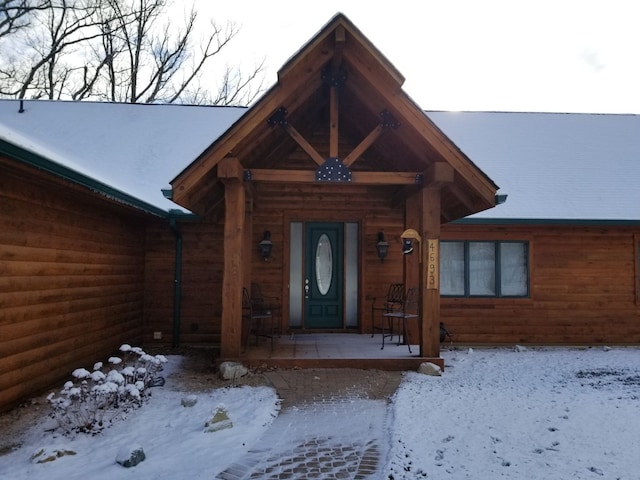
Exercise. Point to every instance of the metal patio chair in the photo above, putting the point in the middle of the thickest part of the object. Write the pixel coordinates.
(392, 302)
(444, 333)
(256, 321)
(264, 304)
(409, 311)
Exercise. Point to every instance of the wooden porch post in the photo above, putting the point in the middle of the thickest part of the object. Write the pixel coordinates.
(429, 272)
(248, 244)
(234, 245)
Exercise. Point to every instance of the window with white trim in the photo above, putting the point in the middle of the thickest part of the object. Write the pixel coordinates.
(484, 268)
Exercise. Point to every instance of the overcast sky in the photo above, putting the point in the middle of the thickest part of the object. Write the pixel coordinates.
(495, 55)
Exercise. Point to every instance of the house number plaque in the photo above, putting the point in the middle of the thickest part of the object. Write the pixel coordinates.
(433, 264)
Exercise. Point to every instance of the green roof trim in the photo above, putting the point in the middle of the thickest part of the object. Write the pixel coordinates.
(547, 221)
(54, 168)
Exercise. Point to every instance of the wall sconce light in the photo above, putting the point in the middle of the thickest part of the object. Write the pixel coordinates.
(382, 246)
(407, 241)
(407, 246)
(265, 245)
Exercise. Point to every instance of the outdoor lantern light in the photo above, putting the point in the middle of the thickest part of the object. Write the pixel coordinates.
(382, 246)
(265, 245)
(407, 241)
(407, 246)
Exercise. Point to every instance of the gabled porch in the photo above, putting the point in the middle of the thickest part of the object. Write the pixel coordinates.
(334, 157)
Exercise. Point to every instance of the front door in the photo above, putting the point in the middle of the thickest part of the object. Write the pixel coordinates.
(323, 276)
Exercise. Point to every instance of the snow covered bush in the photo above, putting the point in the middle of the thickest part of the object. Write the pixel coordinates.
(95, 399)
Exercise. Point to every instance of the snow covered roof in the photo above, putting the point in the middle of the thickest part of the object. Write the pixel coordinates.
(553, 167)
(133, 149)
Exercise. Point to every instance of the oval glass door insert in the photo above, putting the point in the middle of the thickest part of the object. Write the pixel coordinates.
(324, 264)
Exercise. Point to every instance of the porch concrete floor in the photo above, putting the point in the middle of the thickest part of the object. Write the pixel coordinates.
(333, 350)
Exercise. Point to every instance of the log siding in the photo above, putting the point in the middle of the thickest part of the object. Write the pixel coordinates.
(583, 288)
(71, 280)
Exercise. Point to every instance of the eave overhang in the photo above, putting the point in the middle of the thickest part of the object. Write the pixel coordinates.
(41, 163)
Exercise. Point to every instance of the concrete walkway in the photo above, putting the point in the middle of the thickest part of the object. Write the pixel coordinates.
(332, 425)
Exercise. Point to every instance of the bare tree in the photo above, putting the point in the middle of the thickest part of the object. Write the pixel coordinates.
(233, 86)
(151, 60)
(15, 14)
(125, 51)
(55, 44)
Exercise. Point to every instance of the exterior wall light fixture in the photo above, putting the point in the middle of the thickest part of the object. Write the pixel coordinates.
(382, 247)
(265, 245)
(408, 236)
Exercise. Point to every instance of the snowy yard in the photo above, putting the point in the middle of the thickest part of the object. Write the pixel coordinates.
(544, 414)
(531, 414)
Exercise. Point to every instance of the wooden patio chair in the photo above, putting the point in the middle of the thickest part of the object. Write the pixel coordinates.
(392, 302)
(409, 311)
(256, 321)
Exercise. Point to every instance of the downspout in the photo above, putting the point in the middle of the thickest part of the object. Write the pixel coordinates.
(177, 282)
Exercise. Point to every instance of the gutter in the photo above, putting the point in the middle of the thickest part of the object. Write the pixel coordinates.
(41, 163)
(177, 283)
(585, 222)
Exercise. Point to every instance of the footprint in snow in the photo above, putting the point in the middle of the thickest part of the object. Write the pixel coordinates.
(596, 471)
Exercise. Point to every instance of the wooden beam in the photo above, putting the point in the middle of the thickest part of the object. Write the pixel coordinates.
(309, 176)
(384, 178)
(409, 114)
(430, 292)
(293, 96)
(319, 49)
(334, 97)
(333, 121)
(358, 41)
(233, 270)
(438, 174)
(363, 146)
(283, 176)
(247, 244)
(302, 142)
(334, 104)
(230, 167)
(340, 38)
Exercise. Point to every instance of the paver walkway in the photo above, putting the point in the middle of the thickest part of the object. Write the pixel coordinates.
(332, 426)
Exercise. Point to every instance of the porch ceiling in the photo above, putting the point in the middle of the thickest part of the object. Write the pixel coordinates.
(368, 86)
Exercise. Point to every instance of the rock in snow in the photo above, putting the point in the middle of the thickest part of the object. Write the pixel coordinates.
(189, 401)
(232, 370)
(219, 421)
(130, 456)
(428, 368)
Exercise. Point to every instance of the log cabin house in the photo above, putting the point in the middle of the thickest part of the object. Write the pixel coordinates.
(140, 223)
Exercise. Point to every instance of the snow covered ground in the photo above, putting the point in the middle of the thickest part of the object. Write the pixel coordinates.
(529, 414)
(543, 414)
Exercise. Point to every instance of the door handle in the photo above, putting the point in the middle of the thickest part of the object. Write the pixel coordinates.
(306, 288)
